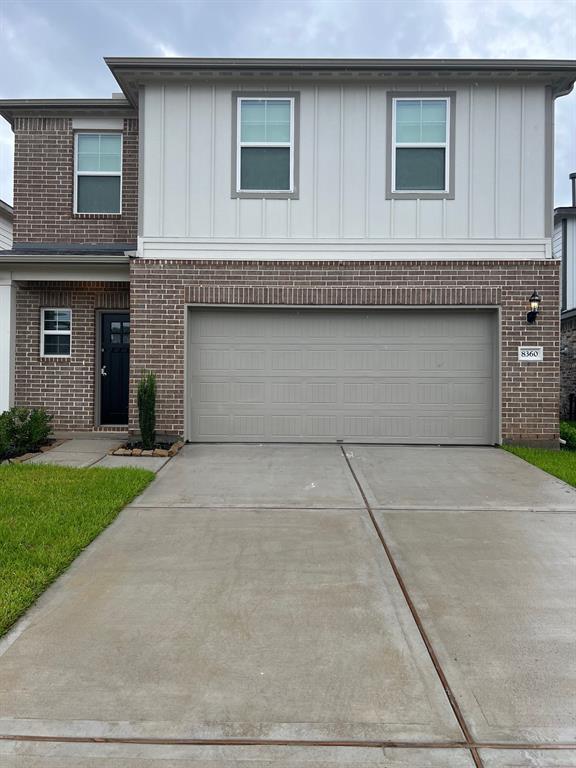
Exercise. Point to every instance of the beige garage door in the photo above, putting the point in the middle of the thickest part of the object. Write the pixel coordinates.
(382, 376)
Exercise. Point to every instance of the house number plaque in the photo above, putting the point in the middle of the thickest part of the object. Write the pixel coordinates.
(531, 354)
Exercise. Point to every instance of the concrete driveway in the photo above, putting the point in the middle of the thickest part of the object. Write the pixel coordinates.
(308, 605)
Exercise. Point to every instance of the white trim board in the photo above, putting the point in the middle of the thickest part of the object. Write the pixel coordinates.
(353, 250)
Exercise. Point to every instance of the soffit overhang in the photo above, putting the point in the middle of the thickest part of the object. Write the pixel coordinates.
(132, 73)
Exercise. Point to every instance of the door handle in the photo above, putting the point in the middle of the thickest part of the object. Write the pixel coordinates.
(103, 371)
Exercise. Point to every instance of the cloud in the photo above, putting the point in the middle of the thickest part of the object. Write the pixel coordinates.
(522, 29)
(55, 47)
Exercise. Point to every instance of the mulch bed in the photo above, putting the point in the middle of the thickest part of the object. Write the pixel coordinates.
(48, 445)
(134, 448)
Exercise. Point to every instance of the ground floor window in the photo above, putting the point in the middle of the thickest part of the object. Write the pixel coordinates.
(56, 333)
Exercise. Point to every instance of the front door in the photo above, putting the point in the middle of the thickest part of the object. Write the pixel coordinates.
(114, 367)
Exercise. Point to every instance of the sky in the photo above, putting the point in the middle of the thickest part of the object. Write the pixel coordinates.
(54, 48)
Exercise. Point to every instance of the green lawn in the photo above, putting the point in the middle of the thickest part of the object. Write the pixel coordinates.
(48, 515)
(561, 464)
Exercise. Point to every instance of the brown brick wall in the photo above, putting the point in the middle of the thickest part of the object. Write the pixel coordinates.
(44, 186)
(568, 368)
(530, 392)
(65, 387)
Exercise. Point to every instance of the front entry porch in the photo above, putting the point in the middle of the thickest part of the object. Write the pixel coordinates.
(83, 380)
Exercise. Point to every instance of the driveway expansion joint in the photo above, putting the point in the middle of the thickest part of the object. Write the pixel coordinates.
(249, 742)
(423, 634)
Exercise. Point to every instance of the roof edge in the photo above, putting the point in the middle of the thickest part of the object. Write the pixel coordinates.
(77, 259)
(74, 248)
(563, 212)
(490, 65)
(559, 73)
(12, 108)
(7, 210)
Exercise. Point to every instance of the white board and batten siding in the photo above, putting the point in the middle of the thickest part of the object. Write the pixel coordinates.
(500, 170)
(5, 233)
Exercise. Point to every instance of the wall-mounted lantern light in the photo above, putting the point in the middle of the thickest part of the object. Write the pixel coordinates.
(534, 307)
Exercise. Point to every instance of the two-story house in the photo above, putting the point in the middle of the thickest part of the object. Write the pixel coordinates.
(564, 248)
(301, 250)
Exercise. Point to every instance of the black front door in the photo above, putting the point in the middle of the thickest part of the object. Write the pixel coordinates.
(114, 367)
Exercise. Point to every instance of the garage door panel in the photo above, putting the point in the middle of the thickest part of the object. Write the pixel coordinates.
(468, 427)
(405, 376)
(286, 359)
(472, 393)
(375, 360)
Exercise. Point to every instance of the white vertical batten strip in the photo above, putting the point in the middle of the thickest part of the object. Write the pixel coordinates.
(187, 160)
(496, 159)
(522, 160)
(391, 225)
(162, 158)
(470, 225)
(212, 160)
(367, 166)
(341, 167)
(315, 168)
(287, 206)
(451, 159)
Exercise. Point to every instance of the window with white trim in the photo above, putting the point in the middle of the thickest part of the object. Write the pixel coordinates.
(420, 144)
(265, 145)
(56, 333)
(98, 164)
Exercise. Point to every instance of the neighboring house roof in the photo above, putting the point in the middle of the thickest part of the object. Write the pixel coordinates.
(6, 210)
(567, 211)
(563, 213)
(559, 75)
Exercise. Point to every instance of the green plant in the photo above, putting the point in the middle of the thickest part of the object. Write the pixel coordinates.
(23, 430)
(6, 451)
(48, 515)
(147, 409)
(568, 433)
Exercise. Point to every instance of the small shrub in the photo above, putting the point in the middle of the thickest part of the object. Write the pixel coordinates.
(147, 409)
(23, 430)
(568, 433)
(6, 450)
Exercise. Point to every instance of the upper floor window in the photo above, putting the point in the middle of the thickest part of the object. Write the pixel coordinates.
(265, 136)
(98, 165)
(421, 146)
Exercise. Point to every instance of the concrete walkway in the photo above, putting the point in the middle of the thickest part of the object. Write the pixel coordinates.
(404, 607)
(93, 451)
